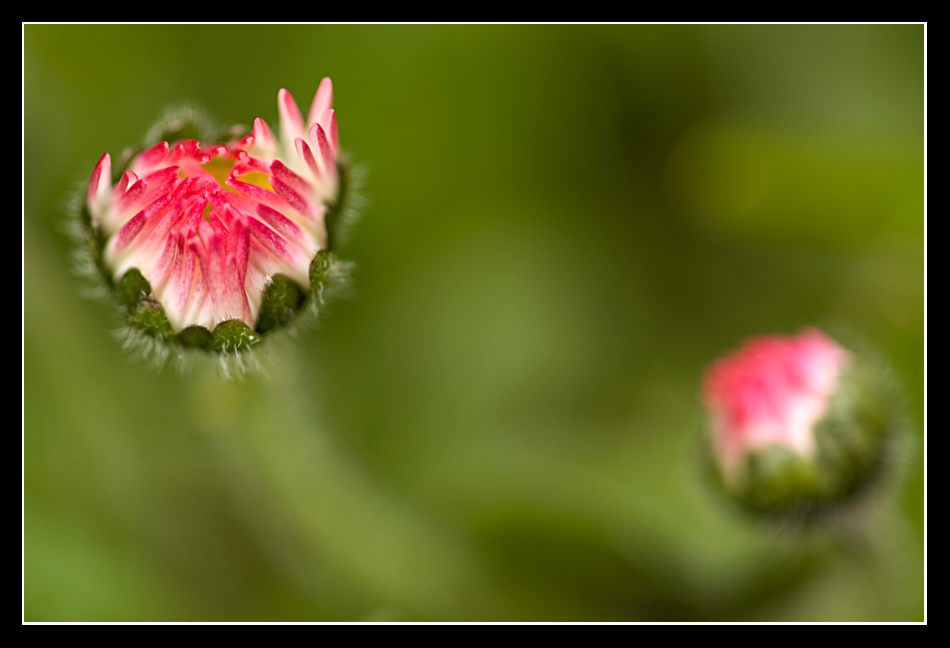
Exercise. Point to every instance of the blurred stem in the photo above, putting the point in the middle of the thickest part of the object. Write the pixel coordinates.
(397, 556)
(882, 548)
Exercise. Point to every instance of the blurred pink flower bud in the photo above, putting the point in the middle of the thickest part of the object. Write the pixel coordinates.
(797, 423)
(772, 391)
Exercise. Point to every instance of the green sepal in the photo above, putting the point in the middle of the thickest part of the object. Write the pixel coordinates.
(149, 317)
(145, 314)
(320, 272)
(94, 242)
(778, 481)
(133, 288)
(280, 303)
(85, 216)
(195, 337)
(334, 216)
(178, 130)
(193, 125)
(852, 440)
(232, 336)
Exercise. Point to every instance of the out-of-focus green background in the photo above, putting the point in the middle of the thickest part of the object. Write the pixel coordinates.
(565, 226)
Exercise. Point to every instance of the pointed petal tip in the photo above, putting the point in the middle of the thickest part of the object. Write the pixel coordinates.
(305, 154)
(152, 156)
(97, 185)
(319, 136)
(322, 100)
(291, 123)
(333, 130)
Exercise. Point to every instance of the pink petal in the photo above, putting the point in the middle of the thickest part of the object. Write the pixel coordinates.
(166, 263)
(283, 172)
(127, 180)
(256, 164)
(160, 177)
(179, 286)
(285, 227)
(295, 200)
(306, 156)
(328, 121)
(273, 253)
(256, 193)
(100, 182)
(201, 308)
(322, 101)
(262, 133)
(135, 192)
(151, 157)
(219, 228)
(273, 244)
(291, 123)
(246, 142)
(128, 233)
(188, 149)
(238, 245)
(318, 135)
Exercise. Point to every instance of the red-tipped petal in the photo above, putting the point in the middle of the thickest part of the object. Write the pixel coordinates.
(212, 269)
(263, 136)
(166, 263)
(151, 157)
(202, 309)
(184, 216)
(240, 169)
(161, 177)
(256, 193)
(238, 248)
(127, 180)
(328, 121)
(128, 233)
(306, 156)
(180, 283)
(322, 101)
(272, 243)
(214, 219)
(160, 198)
(187, 149)
(246, 142)
(285, 227)
(326, 152)
(100, 183)
(272, 251)
(292, 198)
(135, 192)
(255, 164)
(283, 172)
(262, 131)
(291, 123)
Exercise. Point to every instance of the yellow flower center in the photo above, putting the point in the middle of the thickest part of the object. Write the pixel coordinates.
(219, 167)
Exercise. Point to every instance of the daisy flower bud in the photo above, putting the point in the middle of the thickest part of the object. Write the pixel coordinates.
(798, 425)
(211, 243)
